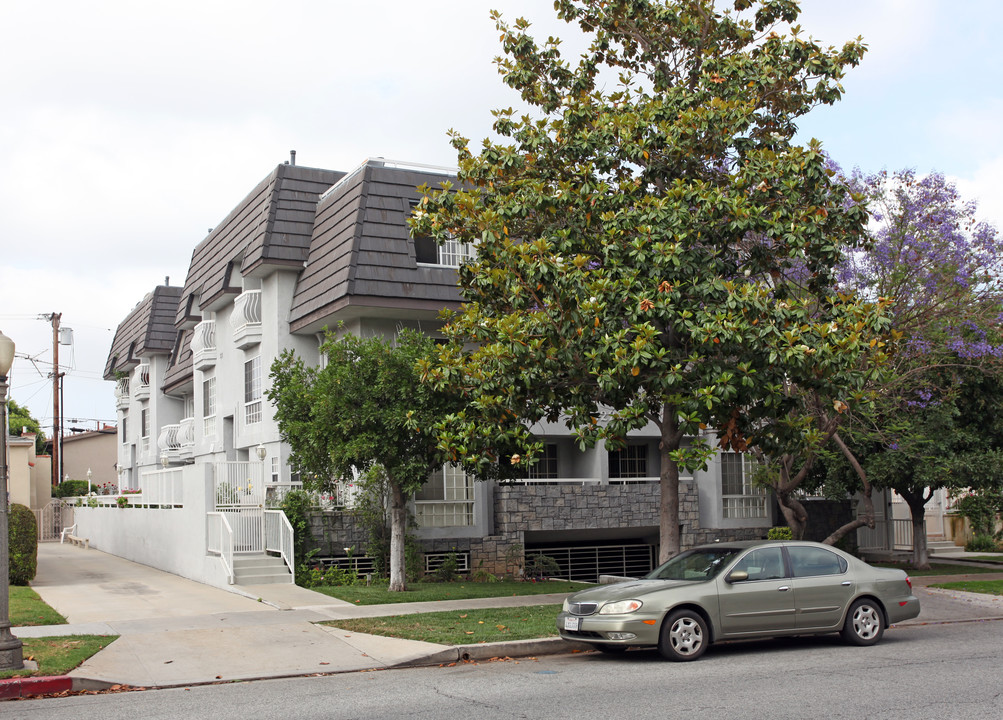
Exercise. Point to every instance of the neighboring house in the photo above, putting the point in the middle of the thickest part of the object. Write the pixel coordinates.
(94, 451)
(29, 476)
(310, 249)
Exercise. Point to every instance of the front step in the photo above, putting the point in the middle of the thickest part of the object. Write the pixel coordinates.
(259, 569)
(941, 547)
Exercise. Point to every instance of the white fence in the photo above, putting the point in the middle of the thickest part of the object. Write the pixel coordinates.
(895, 534)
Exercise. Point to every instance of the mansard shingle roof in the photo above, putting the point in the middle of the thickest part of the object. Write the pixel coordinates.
(147, 330)
(271, 226)
(361, 255)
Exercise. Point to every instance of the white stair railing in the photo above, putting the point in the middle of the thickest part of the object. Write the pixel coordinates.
(220, 541)
(279, 538)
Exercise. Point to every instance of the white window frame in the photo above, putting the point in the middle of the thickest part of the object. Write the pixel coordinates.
(144, 426)
(209, 406)
(252, 390)
(740, 499)
(447, 499)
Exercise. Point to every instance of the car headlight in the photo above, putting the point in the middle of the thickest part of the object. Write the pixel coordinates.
(566, 607)
(620, 608)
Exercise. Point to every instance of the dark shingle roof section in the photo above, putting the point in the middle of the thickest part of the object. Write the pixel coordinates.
(147, 330)
(272, 225)
(180, 373)
(361, 252)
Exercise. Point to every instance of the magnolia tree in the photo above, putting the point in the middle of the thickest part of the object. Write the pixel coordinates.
(364, 408)
(652, 248)
(933, 421)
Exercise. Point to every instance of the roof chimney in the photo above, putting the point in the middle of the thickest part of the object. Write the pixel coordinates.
(167, 280)
(292, 157)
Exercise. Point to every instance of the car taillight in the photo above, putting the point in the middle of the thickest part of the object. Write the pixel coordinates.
(908, 581)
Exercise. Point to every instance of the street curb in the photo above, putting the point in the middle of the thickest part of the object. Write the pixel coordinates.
(487, 651)
(22, 687)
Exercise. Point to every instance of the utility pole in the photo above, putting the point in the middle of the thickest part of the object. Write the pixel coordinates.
(57, 432)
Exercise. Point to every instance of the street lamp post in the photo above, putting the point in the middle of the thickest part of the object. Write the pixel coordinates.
(11, 657)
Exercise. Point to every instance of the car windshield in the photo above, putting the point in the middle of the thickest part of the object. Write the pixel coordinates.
(701, 564)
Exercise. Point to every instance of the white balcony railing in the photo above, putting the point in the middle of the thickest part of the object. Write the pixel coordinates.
(167, 441)
(204, 344)
(141, 381)
(122, 393)
(246, 318)
(186, 437)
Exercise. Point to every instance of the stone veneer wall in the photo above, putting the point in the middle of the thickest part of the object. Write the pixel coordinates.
(333, 531)
(546, 507)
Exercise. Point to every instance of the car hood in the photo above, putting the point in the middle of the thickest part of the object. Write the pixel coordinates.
(626, 590)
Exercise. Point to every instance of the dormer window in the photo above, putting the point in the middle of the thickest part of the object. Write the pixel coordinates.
(451, 253)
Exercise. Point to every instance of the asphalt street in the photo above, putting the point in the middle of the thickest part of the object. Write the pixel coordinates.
(939, 671)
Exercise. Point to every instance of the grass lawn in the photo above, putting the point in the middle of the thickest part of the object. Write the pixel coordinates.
(27, 608)
(998, 559)
(939, 569)
(58, 655)
(988, 587)
(462, 627)
(425, 592)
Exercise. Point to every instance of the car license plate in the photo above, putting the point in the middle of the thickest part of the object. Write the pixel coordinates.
(573, 623)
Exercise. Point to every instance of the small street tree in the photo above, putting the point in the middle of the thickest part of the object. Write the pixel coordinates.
(19, 420)
(934, 423)
(651, 245)
(365, 407)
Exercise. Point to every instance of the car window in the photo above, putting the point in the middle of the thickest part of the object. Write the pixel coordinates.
(812, 561)
(763, 564)
(694, 565)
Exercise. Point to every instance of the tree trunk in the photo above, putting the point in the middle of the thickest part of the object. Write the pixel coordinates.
(917, 512)
(794, 513)
(668, 516)
(398, 528)
(868, 517)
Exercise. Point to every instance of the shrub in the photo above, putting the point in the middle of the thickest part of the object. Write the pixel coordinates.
(780, 533)
(23, 547)
(447, 571)
(296, 504)
(982, 543)
(70, 488)
(541, 566)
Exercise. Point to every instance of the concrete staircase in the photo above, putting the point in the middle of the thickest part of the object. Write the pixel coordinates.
(259, 569)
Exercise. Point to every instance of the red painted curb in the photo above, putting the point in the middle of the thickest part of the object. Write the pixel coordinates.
(11, 688)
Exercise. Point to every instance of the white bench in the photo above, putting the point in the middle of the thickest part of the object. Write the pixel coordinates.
(68, 534)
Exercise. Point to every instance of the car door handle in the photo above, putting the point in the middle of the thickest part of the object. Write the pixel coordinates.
(846, 583)
(783, 588)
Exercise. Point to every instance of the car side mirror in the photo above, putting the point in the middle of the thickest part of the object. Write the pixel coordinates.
(737, 576)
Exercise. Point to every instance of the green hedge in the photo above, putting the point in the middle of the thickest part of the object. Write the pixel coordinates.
(23, 534)
(70, 488)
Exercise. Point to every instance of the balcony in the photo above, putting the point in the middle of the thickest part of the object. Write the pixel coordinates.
(122, 394)
(186, 438)
(203, 345)
(168, 443)
(246, 319)
(141, 381)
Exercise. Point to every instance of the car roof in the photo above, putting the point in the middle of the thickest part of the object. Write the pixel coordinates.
(743, 544)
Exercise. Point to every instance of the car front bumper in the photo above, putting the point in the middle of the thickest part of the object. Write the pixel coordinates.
(633, 629)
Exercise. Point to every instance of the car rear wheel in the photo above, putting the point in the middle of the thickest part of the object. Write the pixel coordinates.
(610, 649)
(684, 636)
(864, 623)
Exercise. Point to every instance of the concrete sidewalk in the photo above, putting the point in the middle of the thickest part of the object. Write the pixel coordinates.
(175, 631)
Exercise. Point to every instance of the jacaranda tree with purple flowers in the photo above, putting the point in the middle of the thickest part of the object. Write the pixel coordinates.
(652, 247)
(934, 422)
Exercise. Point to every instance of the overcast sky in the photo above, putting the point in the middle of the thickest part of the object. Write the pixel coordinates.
(131, 128)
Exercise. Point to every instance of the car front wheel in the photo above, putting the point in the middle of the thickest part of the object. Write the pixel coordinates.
(684, 636)
(864, 623)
